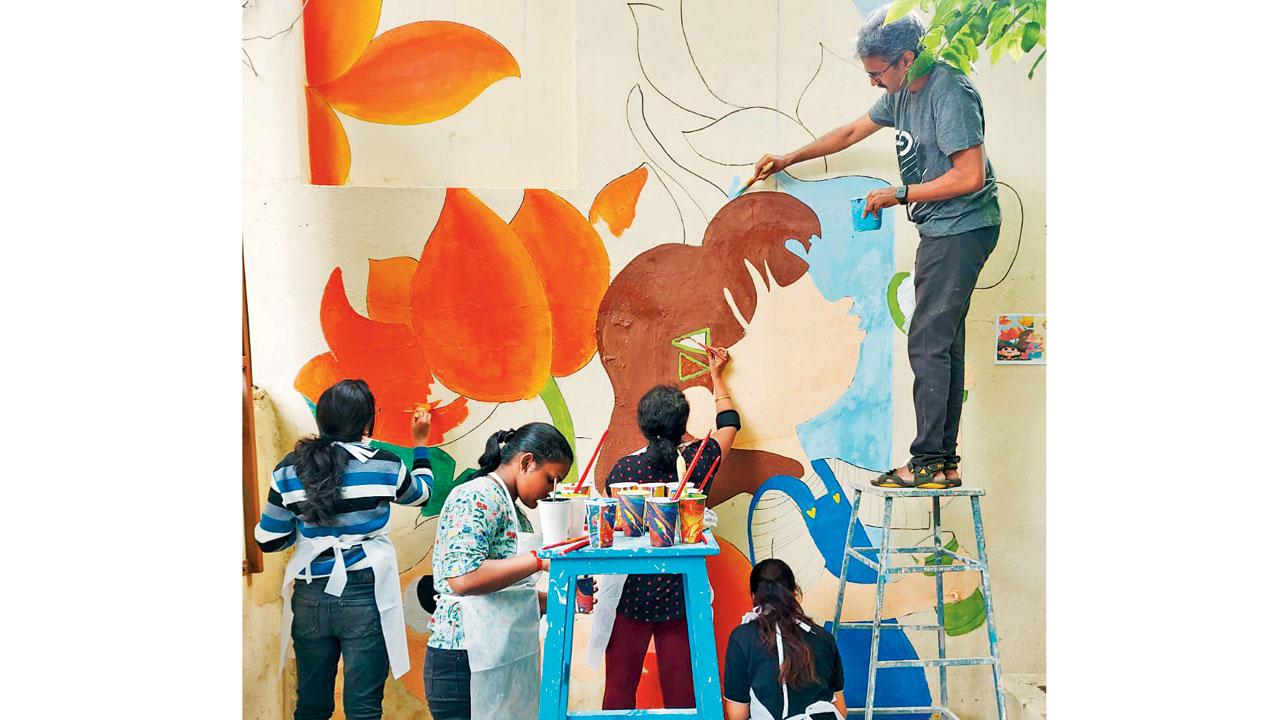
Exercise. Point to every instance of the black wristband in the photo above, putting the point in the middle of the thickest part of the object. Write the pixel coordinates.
(728, 418)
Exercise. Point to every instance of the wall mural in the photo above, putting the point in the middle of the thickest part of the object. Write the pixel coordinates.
(496, 310)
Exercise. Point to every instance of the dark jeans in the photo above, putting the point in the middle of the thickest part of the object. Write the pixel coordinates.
(446, 675)
(624, 662)
(325, 627)
(946, 272)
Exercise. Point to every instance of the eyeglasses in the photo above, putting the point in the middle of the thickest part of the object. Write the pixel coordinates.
(875, 76)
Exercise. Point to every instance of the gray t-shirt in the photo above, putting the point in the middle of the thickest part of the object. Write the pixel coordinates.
(941, 119)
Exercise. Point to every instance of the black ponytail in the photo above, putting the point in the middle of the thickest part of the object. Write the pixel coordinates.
(344, 413)
(542, 440)
(663, 414)
(773, 590)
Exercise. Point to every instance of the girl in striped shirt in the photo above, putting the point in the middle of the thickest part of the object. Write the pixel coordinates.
(331, 499)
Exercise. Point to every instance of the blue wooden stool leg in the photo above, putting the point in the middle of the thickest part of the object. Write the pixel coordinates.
(882, 578)
(702, 639)
(942, 634)
(553, 702)
(844, 565)
(991, 612)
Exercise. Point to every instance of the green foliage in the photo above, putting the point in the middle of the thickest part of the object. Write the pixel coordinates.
(959, 29)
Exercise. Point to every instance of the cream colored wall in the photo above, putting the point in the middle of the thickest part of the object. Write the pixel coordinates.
(295, 234)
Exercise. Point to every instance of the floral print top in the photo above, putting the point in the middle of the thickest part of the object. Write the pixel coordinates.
(475, 525)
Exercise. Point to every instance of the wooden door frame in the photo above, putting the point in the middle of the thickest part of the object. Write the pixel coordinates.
(249, 476)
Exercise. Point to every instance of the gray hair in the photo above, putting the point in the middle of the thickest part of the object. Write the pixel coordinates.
(889, 42)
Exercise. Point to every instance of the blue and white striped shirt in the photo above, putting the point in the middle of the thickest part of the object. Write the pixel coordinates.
(368, 489)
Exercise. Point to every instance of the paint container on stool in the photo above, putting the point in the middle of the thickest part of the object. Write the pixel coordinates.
(693, 507)
(661, 517)
(631, 512)
(655, 489)
(583, 594)
(860, 223)
(554, 517)
(577, 512)
(601, 514)
(615, 491)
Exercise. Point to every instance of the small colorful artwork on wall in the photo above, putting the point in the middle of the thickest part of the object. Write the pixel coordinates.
(1020, 339)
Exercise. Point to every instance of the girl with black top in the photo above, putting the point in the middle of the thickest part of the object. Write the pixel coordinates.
(808, 680)
(652, 606)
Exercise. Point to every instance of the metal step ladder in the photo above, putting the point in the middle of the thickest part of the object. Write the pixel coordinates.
(884, 568)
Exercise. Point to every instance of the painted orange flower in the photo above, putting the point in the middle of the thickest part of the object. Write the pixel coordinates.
(409, 75)
(384, 354)
(493, 310)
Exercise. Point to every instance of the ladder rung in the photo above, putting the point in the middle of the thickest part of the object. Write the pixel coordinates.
(935, 662)
(933, 568)
(903, 711)
(918, 551)
(887, 626)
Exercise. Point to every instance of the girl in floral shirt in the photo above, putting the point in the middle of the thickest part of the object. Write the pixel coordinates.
(476, 555)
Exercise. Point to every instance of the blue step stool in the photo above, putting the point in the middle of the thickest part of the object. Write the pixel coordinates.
(630, 556)
(883, 567)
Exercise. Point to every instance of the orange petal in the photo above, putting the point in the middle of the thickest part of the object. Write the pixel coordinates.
(334, 34)
(444, 419)
(574, 268)
(387, 295)
(420, 72)
(616, 202)
(385, 355)
(326, 143)
(479, 310)
(318, 375)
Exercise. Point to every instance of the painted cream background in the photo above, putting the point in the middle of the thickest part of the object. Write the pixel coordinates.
(295, 234)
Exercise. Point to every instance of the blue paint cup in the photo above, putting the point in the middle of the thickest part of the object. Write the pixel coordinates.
(860, 223)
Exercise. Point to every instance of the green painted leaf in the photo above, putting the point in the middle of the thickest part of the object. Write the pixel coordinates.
(563, 421)
(965, 616)
(895, 311)
(942, 558)
(1030, 34)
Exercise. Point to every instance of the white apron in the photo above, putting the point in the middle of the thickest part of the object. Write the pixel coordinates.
(501, 639)
(386, 583)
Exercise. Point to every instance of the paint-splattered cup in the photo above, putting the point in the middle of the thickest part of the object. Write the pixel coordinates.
(661, 516)
(860, 223)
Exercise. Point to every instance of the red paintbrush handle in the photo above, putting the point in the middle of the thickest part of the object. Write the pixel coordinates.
(564, 542)
(707, 478)
(583, 475)
(692, 465)
(575, 546)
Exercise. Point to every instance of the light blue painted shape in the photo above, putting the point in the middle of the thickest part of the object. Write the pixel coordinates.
(857, 428)
(631, 556)
(865, 8)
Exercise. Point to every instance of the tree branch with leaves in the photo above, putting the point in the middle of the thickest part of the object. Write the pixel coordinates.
(957, 29)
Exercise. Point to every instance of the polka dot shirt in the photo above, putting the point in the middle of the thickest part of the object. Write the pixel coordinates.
(660, 597)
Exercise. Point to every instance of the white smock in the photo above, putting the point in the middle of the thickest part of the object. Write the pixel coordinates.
(386, 581)
(760, 712)
(501, 639)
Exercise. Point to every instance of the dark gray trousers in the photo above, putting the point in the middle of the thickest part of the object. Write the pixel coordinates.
(946, 272)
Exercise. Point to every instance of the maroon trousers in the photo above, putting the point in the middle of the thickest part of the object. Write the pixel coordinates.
(624, 662)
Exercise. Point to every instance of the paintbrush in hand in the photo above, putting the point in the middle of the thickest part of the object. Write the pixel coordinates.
(754, 178)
